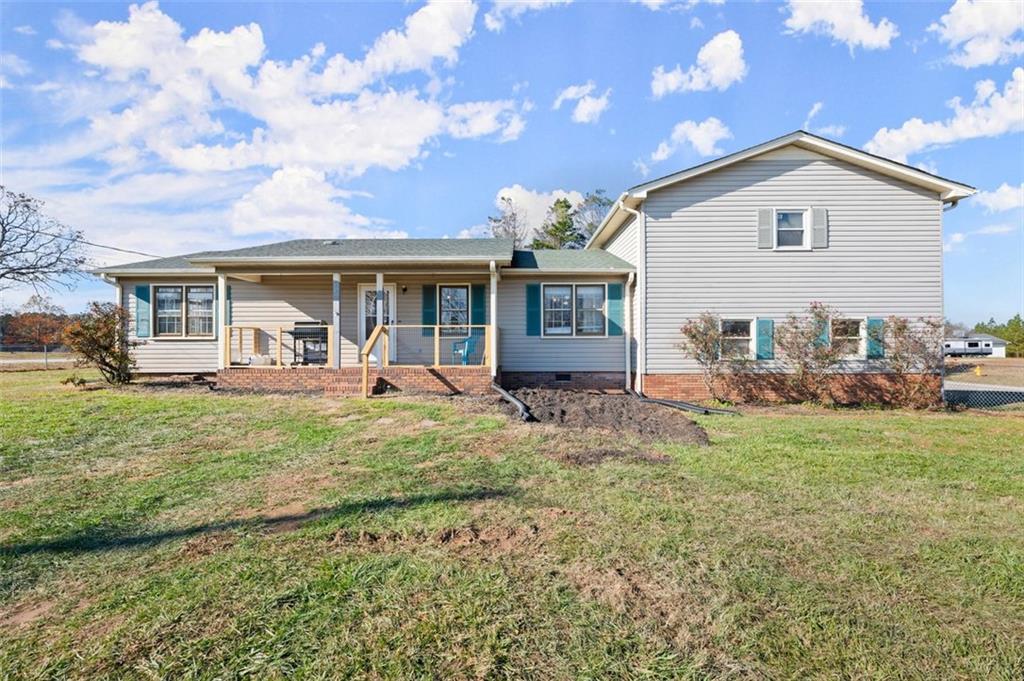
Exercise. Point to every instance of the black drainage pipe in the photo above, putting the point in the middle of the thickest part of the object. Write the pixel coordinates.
(524, 411)
(685, 406)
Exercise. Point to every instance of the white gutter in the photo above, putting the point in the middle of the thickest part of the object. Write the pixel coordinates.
(641, 346)
(629, 331)
(493, 349)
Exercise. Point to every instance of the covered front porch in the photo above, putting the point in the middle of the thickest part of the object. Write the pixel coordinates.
(368, 322)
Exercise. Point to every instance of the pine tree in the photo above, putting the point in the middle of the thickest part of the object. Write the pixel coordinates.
(559, 229)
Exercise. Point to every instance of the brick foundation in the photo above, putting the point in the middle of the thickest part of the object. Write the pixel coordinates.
(578, 380)
(348, 381)
(865, 388)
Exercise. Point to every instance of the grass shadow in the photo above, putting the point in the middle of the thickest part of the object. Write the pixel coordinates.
(93, 542)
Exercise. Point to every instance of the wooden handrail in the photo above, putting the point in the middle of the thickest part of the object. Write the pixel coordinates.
(278, 332)
(378, 331)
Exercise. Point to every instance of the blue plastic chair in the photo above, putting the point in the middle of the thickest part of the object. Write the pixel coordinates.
(465, 348)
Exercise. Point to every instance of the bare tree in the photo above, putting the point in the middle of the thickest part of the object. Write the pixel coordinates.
(808, 353)
(35, 250)
(510, 223)
(591, 212)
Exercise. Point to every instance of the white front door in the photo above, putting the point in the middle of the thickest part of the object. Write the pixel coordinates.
(368, 317)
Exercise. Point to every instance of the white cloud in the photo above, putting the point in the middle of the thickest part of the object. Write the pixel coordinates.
(534, 205)
(992, 113)
(588, 108)
(703, 137)
(656, 5)
(1005, 198)
(174, 91)
(503, 10)
(982, 32)
(479, 119)
(957, 238)
(12, 65)
(719, 64)
(25, 30)
(833, 130)
(300, 201)
(695, 23)
(843, 21)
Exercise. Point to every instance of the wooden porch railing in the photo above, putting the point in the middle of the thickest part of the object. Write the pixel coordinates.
(384, 332)
(235, 336)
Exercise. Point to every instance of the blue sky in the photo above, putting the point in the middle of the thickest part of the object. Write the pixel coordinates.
(181, 127)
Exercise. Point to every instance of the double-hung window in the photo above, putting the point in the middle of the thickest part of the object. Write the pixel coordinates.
(792, 229)
(575, 310)
(846, 337)
(454, 306)
(183, 311)
(736, 339)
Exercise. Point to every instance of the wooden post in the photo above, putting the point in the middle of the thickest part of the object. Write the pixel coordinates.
(331, 349)
(241, 337)
(487, 346)
(224, 337)
(386, 357)
(280, 356)
(437, 345)
(225, 355)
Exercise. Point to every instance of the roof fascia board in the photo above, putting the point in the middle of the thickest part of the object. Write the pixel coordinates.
(323, 259)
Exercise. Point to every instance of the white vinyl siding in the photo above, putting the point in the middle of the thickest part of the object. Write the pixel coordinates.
(884, 255)
(520, 352)
(624, 243)
(167, 355)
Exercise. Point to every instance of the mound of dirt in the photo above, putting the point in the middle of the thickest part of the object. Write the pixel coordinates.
(619, 413)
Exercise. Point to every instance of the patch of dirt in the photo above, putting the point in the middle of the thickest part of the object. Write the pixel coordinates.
(207, 545)
(618, 413)
(488, 539)
(26, 614)
(593, 457)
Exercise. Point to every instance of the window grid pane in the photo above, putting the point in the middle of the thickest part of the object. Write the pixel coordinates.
(168, 310)
(454, 311)
(590, 310)
(200, 310)
(558, 310)
(736, 338)
(789, 228)
(846, 336)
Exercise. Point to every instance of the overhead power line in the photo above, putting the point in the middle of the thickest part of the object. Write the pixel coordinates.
(92, 243)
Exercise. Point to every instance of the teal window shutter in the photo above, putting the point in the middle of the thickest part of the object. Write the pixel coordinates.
(822, 335)
(533, 309)
(876, 343)
(478, 307)
(615, 313)
(143, 318)
(429, 317)
(766, 339)
(228, 306)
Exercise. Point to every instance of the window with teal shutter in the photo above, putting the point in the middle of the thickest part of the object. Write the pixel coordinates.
(615, 311)
(142, 311)
(533, 309)
(429, 317)
(876, 340)
(765, 339)
(822, 341)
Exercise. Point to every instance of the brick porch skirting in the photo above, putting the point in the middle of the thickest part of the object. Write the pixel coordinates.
(863, 388)
(348, 380)
(571, 380)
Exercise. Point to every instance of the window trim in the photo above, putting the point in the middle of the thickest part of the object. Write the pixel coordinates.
(184, 335)
(806, 245)
(572, 318)
(469, 307)
(862, 342)
(751, 343)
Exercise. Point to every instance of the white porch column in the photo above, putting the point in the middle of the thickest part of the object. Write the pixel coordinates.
(336, 317)
(380, 313)
(493, 350)
(222, 317)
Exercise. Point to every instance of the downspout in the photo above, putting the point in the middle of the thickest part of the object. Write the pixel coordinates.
(493, 336)
(629, 332)
(641, 234)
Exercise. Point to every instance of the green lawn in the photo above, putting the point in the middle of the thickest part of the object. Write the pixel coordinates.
(184, 533)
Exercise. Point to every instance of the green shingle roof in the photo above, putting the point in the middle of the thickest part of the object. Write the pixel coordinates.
(174, 263)
(569, 261)
(372, 249)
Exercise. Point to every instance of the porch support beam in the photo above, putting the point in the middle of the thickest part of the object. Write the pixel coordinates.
(222, 318)
(380, 311)
(336, 319)
(493, 335)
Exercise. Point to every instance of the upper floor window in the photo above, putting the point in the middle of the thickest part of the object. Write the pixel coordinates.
(792, 228)
(183, 310)
(574, 310)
